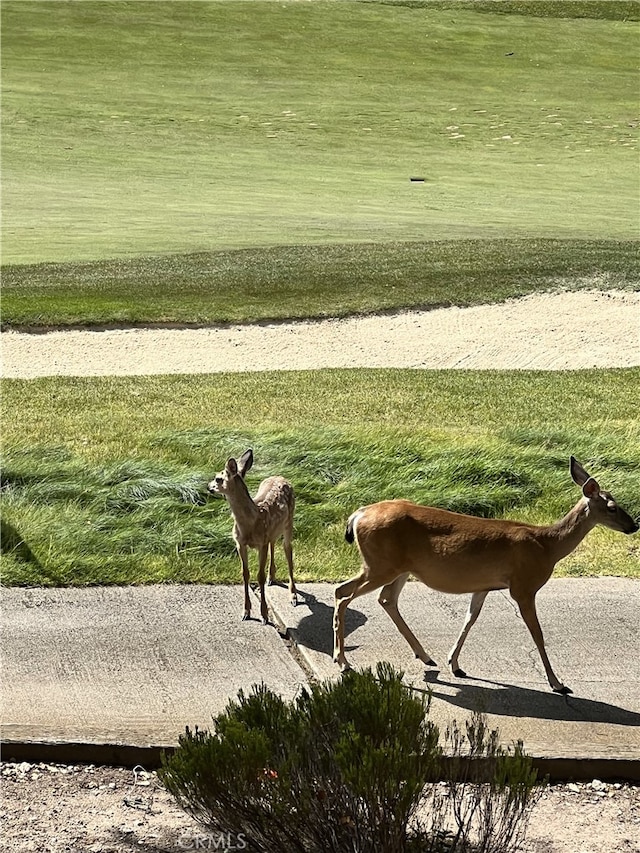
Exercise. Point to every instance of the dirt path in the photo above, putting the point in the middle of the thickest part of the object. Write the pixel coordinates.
(556, 331)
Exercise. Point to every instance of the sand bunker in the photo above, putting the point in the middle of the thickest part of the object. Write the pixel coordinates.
(555, 331)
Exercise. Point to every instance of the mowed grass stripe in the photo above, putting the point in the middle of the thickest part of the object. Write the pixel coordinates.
(104, 480)
(140, 128)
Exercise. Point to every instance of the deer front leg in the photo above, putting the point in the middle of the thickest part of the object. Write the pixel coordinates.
(244, 559)
(388, 598)
(262, 576)
(527, 607)
(475, 606)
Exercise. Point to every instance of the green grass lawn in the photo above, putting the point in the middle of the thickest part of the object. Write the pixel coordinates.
(104, 479)
(161, 128)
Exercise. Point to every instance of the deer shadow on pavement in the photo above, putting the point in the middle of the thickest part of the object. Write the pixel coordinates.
(495, 697)
(315, 631)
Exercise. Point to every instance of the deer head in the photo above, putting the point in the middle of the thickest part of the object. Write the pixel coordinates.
(223, 482)
(602, 507)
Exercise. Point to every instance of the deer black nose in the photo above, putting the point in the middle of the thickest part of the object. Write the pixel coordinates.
(634, 526)
(214, 485)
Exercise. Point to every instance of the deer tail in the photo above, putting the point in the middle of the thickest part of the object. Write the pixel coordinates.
(350, 532)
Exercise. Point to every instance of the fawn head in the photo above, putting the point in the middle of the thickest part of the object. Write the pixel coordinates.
(602, 506)
(222, 483)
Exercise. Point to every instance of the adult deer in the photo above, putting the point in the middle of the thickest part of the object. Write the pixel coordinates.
(258, 523)
(457, 553)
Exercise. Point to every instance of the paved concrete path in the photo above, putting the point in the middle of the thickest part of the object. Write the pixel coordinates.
(591, 630)
(132, 666)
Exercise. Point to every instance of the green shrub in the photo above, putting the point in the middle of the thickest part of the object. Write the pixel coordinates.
(350, 766)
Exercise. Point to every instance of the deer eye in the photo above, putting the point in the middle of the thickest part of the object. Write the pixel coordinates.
(611, 506)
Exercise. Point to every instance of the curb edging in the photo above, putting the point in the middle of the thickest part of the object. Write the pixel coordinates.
(553, 768)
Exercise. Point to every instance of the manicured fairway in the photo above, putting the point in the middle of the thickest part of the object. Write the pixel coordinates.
(138, 128)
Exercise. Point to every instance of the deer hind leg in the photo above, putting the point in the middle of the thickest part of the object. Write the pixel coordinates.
(344, 595)
(527, 605)
(272, 564)
(288, 552)
(244, 559)
(262, 576)
(475, 606)
(388, 598)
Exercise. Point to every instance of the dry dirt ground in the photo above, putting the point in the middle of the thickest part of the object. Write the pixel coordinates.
(52, 808)
(57, 809)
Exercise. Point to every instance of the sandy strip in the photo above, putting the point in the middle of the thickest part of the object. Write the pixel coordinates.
(556, 331)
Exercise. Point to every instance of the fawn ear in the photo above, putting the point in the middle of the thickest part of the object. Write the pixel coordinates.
(246, 461)
(591, 489)
(578, 474)
(232, 466)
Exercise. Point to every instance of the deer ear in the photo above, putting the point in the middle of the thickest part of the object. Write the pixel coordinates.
(578, 474)
(591, 489)
(232, 466)
(246, 461)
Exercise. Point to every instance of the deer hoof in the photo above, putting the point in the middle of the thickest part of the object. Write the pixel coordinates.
(294, 600)
(246, 615)
(564, 691)
(459, 673)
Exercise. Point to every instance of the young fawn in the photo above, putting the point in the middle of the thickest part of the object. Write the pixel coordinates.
(258, 523)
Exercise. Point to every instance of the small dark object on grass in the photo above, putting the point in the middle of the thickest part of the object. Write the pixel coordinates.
(417, 180)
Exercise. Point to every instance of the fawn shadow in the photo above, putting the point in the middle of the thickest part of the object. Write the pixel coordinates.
(315, 631)
(514, 701)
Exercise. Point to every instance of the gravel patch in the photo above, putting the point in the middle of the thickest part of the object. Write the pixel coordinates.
(60, 808)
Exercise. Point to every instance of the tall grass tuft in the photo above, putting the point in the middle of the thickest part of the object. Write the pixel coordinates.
(104, 480)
